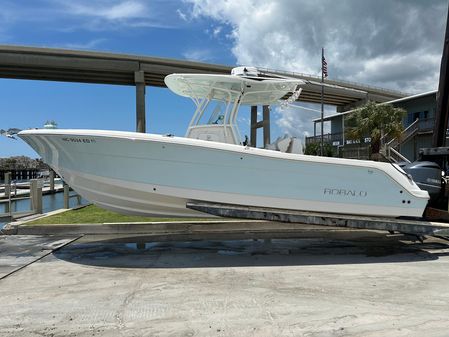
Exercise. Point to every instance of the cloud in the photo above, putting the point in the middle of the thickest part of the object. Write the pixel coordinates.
(201, 55)
(295, 121)
(115, 11)
(83, 45)
(91, 16)
(216, 31)
(390, 44)
(112, 15)
(360, 37)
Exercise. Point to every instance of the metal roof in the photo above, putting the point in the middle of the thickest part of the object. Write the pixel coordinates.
(400, 100)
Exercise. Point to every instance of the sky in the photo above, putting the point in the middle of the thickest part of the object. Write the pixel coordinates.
(395, 44)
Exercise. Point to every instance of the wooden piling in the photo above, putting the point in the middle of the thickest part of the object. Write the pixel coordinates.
(66, 196)
(7, 184)
(52, 181)
(36, 196)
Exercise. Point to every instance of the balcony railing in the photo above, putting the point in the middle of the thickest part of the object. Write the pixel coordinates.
(328, 138)
(336, 139)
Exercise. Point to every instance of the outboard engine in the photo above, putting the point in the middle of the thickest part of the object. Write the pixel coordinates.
(428, 176)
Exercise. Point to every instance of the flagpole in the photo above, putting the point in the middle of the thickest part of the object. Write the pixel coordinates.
(322, 103)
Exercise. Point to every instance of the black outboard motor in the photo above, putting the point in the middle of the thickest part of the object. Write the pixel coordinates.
(428, 176)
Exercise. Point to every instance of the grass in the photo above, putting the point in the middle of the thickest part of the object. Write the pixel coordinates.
(93, 214)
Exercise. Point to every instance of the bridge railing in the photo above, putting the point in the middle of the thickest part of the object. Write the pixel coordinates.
(349, 83)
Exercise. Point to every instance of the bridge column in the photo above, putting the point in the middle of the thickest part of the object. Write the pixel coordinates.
(139, 79)
(264, 124)
(253, 139)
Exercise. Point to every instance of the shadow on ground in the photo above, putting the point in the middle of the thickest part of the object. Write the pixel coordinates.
(359, 247)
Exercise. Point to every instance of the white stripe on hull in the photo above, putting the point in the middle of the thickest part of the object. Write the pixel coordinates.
(127, 198)
(140, 199)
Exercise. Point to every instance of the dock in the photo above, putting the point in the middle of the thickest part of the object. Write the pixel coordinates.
(34, 190)
(25, 192)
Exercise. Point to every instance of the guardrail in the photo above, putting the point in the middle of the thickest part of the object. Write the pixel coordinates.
(350, 83)
(336, 139)
(408, 132)
(327, 138)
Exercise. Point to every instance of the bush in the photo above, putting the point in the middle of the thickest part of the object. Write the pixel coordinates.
(313, 149)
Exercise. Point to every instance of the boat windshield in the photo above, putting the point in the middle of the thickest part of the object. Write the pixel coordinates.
(216, 111)
(215, 119)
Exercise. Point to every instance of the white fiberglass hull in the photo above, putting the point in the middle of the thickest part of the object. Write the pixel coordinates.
(146, 174)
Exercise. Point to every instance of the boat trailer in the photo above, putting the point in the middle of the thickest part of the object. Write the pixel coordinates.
(419, 228)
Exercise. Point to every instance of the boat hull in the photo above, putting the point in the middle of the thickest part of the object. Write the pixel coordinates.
(147, 174)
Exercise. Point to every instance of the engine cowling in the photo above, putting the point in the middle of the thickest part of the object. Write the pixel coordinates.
(428, 176)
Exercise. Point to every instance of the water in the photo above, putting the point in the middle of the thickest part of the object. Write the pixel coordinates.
(50, 202)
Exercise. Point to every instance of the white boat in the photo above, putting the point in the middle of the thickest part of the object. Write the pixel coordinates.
(147, 174)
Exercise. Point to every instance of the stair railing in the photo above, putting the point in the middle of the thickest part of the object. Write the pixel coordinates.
(408, 132)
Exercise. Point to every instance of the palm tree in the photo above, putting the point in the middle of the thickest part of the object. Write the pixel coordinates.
(375, 121)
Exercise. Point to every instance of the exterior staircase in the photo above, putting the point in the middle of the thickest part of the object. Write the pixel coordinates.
(390, 149)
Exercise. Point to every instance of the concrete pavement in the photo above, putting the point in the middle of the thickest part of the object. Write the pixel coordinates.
(339, 283)
(17, 252)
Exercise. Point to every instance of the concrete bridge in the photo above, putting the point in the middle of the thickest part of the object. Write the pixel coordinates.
(19, 62)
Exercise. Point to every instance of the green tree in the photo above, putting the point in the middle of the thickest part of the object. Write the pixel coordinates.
(375, 121)
(21, 163)
(314, 149)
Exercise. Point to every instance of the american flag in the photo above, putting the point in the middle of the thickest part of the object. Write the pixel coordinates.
(324, 66)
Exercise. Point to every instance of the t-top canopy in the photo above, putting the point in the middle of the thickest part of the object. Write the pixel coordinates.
(256, 90)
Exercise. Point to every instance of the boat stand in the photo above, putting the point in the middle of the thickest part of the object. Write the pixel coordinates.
(418, 228)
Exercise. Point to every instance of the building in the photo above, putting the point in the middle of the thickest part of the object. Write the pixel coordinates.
(418, 123)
